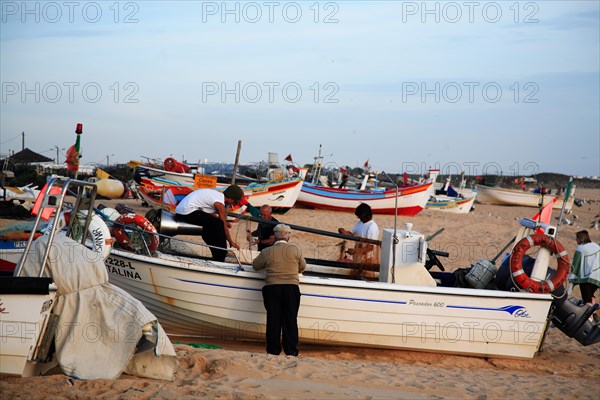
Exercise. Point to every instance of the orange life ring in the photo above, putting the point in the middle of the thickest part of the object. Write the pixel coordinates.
(141, 222)
(516, 264)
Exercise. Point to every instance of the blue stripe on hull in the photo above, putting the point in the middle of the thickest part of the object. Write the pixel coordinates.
(509, 309)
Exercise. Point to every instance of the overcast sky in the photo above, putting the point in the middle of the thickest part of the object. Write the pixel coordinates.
(503, 86)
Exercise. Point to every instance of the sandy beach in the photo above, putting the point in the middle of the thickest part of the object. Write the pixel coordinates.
(241, 370)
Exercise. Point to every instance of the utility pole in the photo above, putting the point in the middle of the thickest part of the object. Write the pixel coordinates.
(23, 140)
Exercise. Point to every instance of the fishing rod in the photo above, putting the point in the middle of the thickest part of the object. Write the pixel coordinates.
(306, 229)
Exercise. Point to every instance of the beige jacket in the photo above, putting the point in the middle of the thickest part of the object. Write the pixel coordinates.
(282, 261)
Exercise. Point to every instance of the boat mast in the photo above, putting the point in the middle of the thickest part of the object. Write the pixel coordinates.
(317, 166)
(237, 160)
(462, 184)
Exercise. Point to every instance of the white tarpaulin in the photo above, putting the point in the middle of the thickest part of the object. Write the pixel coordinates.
(99, 324)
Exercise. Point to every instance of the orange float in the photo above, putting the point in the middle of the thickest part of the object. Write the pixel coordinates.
(519, 276)
(139, 221)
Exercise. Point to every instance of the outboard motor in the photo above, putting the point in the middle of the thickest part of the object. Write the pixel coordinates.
(572, 318)
(170, 227)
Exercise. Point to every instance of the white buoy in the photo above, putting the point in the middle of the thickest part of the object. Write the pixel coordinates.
(111, 188)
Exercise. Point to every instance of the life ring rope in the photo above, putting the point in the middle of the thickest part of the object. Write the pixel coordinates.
(522, 280)
(141, 222)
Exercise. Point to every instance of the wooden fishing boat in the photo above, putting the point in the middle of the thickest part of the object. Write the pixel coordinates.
(450, 204)
(446, 198)
(176, 177)
(163, 196)
(512, 197)
(281, 196)
(406, 201)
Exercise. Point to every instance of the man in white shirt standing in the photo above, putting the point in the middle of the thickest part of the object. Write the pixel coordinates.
(364, 228)
(206, 208)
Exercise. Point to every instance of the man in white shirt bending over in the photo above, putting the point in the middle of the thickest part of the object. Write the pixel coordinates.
(206, 208)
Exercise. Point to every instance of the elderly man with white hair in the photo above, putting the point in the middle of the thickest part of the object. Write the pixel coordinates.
(281, 294)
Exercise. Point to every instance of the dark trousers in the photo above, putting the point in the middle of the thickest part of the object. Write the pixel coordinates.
(213, 231)
(587, 291)
(282, 303)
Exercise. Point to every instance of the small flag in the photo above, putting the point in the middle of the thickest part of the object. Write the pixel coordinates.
(546, 214)
(568, 190)
(366, 164)
(72, 159)
(288, 158)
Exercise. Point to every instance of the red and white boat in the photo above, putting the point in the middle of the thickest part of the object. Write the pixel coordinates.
(177, 173)
(410, 200)
(160, 196)
(280, 195)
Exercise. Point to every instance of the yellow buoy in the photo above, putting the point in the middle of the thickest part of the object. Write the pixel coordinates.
(110, 188)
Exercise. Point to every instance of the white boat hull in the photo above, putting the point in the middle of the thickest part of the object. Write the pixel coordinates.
(509, 197)
(278, 196)
(451, 204)
(410, 201)
(23, 319)
(201, 298)
(24, 193)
